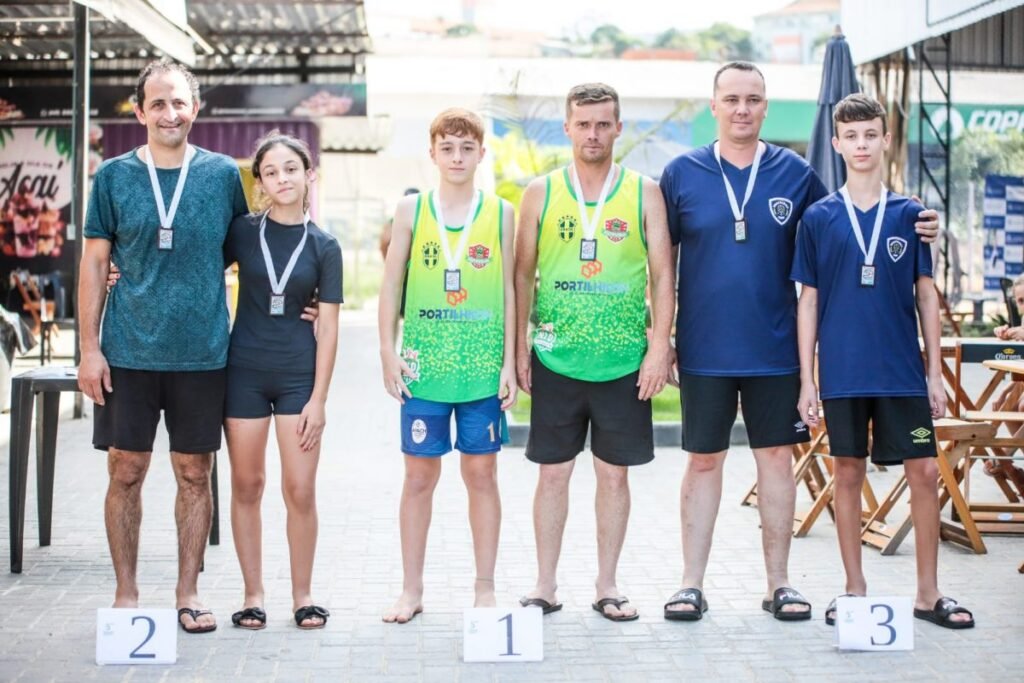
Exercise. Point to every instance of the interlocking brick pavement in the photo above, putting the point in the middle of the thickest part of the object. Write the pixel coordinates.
(47, 632)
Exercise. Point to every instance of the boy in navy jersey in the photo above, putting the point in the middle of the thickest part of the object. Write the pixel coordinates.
(863, 270)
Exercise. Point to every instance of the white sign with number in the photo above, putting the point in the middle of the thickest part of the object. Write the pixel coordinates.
(882, 623)
(136, 636)
(495, 634)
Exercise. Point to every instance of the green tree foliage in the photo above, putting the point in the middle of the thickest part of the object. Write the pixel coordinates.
(978, 153)
(610, 40)
(719, 42)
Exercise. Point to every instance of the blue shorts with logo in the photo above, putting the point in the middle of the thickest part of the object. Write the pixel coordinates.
(426, 427)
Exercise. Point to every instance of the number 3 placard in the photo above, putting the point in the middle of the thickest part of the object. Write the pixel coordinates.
(494, 634)
(874, 623)
(136, 636)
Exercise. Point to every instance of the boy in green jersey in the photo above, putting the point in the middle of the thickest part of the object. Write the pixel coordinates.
(457, 352)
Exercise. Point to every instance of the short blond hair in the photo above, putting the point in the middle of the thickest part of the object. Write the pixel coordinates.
(457, 121)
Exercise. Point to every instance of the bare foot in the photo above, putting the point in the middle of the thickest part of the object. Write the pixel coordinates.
(405, 608)
(484, 593)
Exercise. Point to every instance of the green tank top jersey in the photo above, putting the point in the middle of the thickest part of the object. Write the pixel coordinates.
(455, 341)
(592, 315)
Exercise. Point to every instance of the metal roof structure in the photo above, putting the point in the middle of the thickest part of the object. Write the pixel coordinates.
(250, 40)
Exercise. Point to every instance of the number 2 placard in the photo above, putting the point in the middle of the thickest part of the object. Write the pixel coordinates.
(136, 636)
(874, 623)
(494, 634)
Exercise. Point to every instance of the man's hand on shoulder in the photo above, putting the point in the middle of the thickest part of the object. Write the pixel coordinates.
(927, 225)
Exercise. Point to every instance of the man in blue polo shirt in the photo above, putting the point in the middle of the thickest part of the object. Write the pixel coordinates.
(161, 213)
(863, 272)
(733, 211)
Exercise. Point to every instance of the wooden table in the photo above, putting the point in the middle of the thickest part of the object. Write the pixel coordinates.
(954, 438)
(1006, 516)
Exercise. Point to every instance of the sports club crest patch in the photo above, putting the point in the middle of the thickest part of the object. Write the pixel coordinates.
(897, 247)
(430, 253)
(781, 209)
(478, 255)
(616, 229)
(566, 228)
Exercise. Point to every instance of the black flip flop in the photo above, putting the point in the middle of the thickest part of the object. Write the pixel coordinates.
(831, 621)
(253, 613)
(308, 612)
(545, 606)
(195, 614)
(617, 603)
(787, 596)
(941, 613)
(687, 596)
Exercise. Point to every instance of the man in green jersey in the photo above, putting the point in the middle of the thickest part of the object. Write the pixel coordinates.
(457, 352)
(591, 231)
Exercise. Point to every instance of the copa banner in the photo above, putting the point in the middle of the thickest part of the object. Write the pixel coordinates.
(1004, 229)
(35, 199)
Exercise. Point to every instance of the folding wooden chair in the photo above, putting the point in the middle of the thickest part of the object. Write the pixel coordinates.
(955, 439)
(32, 299)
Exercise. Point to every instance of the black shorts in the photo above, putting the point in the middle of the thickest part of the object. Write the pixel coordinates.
(622, 432)
(901, 428)
(770, 414)
(261, 393)
(192, 402)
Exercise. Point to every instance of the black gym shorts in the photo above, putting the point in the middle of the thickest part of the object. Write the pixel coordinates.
(621, 429)
(770, 414)
(192, 403)
(901, 428)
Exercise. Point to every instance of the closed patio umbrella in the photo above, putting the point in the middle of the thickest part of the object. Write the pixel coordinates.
(838, 79)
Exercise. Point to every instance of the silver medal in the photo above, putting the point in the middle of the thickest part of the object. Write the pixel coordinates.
(452, 279)
(588, 250)
(740, 230)
(166, 239)
(867, 276)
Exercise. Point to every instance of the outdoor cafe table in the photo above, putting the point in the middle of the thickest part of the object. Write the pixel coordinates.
(1006, 516)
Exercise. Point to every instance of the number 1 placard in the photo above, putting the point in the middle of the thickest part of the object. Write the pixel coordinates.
(136, 636)
(494, 634)
(874, 623)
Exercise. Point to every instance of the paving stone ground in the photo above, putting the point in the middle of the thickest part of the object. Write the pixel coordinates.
(47, 629)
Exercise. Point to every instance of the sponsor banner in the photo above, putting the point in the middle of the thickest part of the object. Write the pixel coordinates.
(977, 352)
(1004, 230)
(35, 199)
(298, 100)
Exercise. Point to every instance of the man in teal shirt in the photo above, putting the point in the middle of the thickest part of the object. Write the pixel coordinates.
(161, 214)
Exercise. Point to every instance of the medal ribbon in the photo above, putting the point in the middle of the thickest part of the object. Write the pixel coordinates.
(737, 210)
(590, 223)
(869, 253)
(452, 260)
(167, 215)
(277, 286)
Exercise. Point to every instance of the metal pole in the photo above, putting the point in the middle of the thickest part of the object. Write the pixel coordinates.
(80, 154)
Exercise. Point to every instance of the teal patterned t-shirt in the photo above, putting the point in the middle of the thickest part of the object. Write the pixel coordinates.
(168, 311)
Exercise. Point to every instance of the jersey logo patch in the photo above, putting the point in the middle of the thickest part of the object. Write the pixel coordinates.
(478, 255)
(430, 252)
(412, 359)
(897, 247)
(566, 228)
(781, 209)
(544, 337)
(616, 229)
(418, 431)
